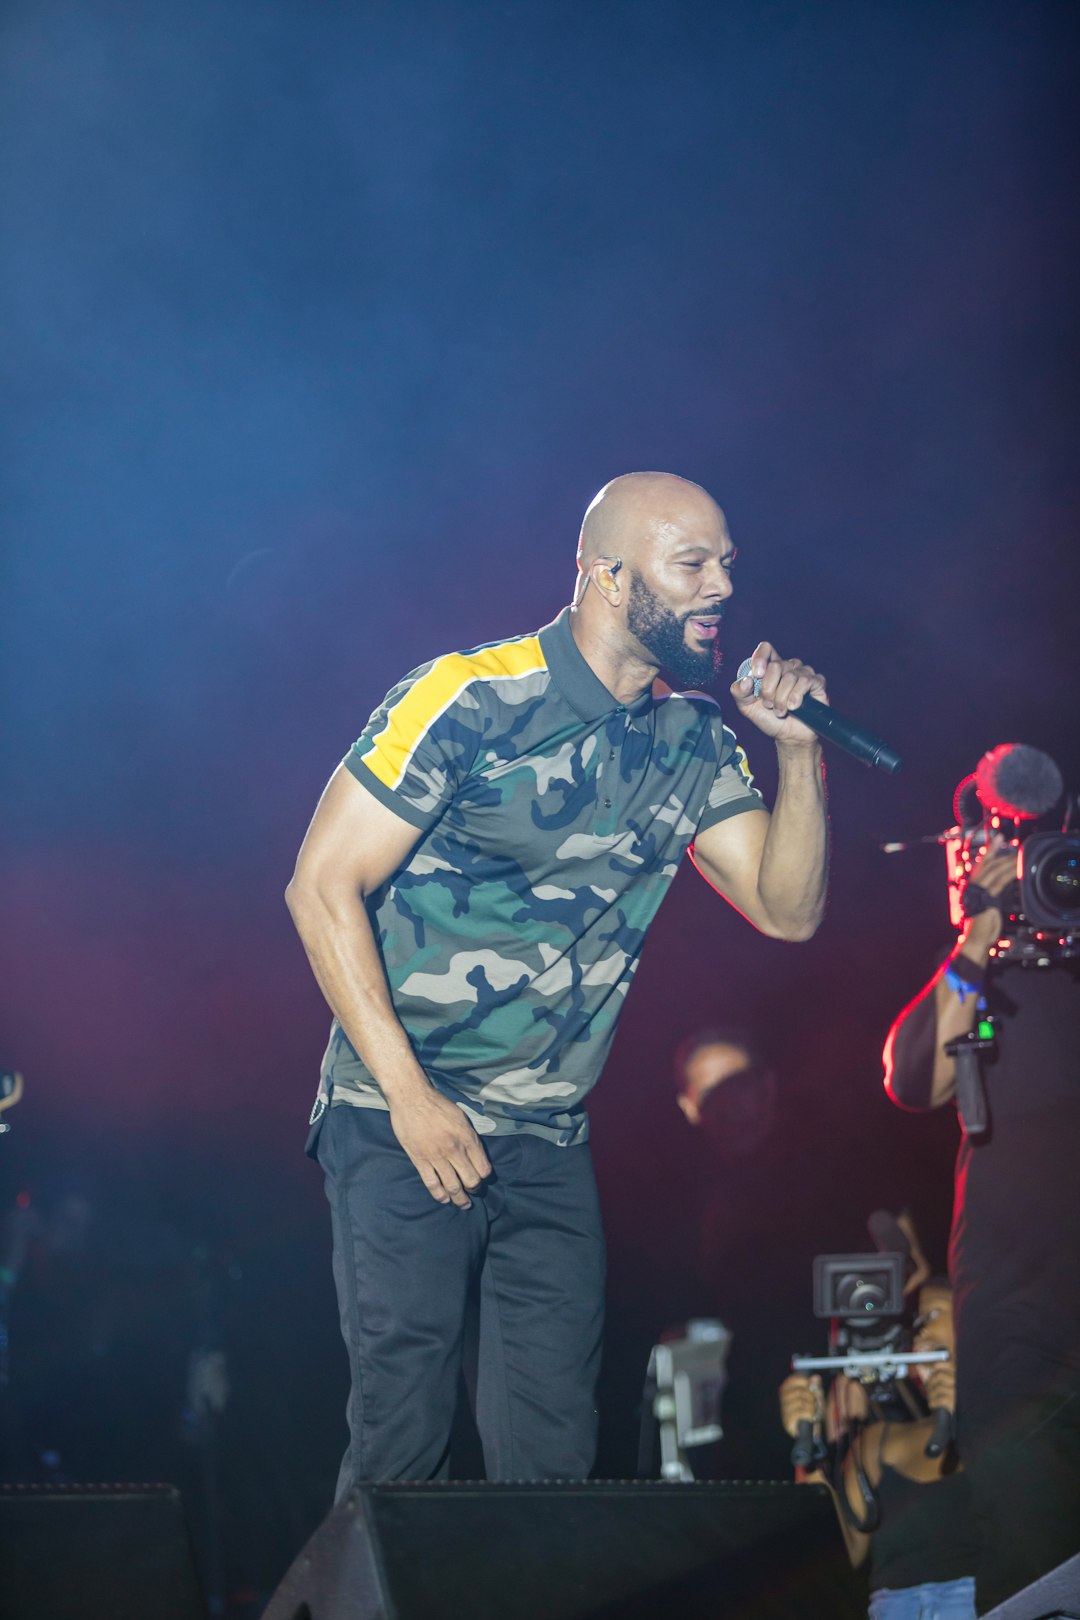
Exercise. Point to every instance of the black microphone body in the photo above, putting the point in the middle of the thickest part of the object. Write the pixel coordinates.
(856, 740)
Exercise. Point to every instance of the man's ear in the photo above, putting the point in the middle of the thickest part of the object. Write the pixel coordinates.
(603, 575)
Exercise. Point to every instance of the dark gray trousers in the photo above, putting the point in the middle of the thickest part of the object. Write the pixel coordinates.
(404, 1267)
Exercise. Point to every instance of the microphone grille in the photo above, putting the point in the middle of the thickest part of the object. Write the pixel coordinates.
(745, 670)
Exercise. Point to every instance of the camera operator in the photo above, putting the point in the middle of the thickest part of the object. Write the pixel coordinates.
(1016, 1222)
(916, 1544)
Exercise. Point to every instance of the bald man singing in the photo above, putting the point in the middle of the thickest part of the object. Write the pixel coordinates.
(473, 894)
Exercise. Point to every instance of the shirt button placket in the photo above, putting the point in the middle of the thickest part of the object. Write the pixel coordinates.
(606, 790)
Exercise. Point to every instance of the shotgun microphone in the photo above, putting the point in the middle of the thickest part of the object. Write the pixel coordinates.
(856, 740)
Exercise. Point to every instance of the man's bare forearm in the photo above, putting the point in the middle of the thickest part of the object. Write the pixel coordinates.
(957, 1011)
(337, 936)
(793, 875)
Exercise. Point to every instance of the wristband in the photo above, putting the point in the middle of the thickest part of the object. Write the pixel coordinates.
(964, 976)
(975, 900)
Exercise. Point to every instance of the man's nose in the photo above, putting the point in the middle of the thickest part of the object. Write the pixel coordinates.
(718, 581)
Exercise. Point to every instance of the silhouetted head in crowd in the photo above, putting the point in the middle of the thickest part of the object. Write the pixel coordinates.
(727, 1089)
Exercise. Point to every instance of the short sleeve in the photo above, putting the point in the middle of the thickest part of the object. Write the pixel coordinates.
(420, 742)
(910, 1052)
(732, 789)
(911, 1048)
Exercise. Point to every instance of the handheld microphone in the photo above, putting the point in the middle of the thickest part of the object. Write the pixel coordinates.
(855, 740)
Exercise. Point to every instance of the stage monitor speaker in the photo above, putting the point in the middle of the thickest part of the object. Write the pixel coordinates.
(95, 1552)
(608, 1550)
(1055, 1596)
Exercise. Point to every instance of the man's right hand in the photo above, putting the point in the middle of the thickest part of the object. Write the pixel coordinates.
(441, 1143)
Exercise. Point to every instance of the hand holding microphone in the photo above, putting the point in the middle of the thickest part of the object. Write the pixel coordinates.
(783, 695)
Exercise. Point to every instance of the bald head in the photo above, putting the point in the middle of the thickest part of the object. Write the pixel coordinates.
(656, 552)
(635, 514)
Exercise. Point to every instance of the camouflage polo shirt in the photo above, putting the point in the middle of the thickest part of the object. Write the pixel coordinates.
(552, 821)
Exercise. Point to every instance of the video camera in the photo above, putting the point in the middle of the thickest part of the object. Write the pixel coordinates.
(1012, 786)
(871, 1330)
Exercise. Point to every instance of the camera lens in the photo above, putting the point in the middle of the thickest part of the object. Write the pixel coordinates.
(857, 1295)
(1059, 883)
(1050, 883)
(1062, 878)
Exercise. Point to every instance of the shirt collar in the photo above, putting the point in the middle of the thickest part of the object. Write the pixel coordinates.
(578, 681)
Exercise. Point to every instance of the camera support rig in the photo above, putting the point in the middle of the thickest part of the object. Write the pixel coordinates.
(870, 1366)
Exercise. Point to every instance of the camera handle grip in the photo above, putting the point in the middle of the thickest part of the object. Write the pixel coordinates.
(944, 1432)
(806, 1451)
(970, 1091)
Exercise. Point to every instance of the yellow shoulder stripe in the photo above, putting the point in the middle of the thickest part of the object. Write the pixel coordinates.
(391, 748)
(742, 765)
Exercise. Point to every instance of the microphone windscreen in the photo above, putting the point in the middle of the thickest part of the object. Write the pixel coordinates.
(1019, 782)
(887, 1234)
(965, 805)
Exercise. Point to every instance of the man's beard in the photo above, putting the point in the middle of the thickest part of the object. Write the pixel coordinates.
(663, 634)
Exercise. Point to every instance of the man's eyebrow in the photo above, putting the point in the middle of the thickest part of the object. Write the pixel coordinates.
(694, 546)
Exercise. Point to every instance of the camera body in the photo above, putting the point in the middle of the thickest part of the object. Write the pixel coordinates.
(870, 1326)
(862, 1295)
(1041, 911)
(859, 1287)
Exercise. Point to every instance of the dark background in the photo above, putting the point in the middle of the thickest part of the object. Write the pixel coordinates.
(323, 325)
